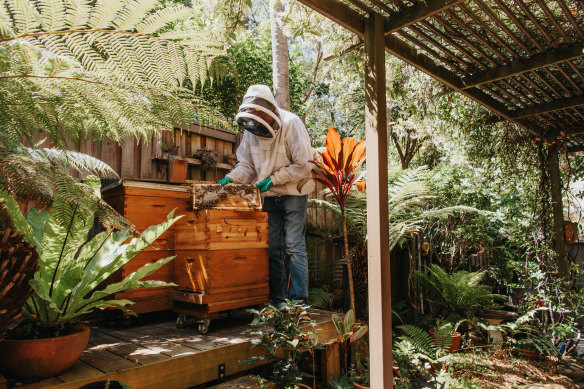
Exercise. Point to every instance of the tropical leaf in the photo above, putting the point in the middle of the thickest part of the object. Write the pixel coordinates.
(72, 268)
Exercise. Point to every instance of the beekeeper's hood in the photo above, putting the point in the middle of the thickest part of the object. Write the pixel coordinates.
(259, 113)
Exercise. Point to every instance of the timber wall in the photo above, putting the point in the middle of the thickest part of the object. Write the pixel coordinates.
(148, 159)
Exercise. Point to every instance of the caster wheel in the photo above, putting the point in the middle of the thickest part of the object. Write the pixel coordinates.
(127, 321)
(204, 326)
(181, 321)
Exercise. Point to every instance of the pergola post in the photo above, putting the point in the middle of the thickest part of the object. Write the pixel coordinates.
(377, 212)
(558, 210)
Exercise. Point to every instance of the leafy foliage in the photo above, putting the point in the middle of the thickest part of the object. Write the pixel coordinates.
(286, 331)
(457, 293)
(82, 68)
(72, 269)
(541, 344)
(36, 174)
(348, 331)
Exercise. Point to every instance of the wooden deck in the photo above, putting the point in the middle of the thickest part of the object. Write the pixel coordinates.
(158, 355)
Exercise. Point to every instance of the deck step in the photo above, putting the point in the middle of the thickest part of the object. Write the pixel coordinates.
(245, 382)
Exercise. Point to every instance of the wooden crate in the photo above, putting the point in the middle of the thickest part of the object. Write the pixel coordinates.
(221, 230)
(146, 204)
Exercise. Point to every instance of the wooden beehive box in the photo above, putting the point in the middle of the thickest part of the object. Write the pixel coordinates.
(222, 278)
(222, 251)
(222, 230)
(146, 204)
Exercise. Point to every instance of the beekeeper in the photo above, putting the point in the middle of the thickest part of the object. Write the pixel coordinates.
(274, 155)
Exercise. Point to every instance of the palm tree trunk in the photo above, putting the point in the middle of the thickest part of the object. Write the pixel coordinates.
(280, 68)
(349, 268)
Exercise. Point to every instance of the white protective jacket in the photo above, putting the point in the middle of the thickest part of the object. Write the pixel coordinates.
(284, 158)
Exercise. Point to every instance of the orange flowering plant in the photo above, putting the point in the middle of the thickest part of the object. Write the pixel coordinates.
(338, 171)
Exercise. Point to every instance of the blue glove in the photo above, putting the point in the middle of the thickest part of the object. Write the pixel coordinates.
(225, 181)
(265, 185)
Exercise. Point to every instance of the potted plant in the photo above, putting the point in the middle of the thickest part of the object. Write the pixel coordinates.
(446, 337)
(69, 282)
(287, 333)
(535, 346)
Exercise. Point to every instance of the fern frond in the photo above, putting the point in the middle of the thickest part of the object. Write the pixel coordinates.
(133, 13)
(420, 340)
(163, 17)
(6, 27)
(458, 292)
(25, 16)
(104, 12)
(53, 13)
(37, 176)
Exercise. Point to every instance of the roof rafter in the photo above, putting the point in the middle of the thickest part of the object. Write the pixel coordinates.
(346, 17)
(552, 106)
(416, 13)
(538, 61)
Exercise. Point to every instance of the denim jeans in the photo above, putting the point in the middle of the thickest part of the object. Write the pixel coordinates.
(287, 228)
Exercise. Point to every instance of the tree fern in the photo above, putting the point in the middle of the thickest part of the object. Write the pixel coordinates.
(77, 69)
(458, 293)
(61, 60)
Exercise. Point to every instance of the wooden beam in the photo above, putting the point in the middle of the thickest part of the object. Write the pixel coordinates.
(538, 61)
(410, 55)
(416, 13)
(556, 105)
(339, 13)
(558, 210)
(380, 347)
(346, 17)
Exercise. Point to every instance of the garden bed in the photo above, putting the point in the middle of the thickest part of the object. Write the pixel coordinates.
(508, 371)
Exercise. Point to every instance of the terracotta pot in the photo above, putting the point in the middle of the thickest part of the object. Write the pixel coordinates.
(42, 358)
(356, 385)
(527, 354)
(453, 340)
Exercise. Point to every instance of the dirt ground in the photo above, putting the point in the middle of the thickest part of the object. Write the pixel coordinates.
(511, 372)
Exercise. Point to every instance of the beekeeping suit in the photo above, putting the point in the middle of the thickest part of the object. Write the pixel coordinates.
(275, 145)
(274, 155)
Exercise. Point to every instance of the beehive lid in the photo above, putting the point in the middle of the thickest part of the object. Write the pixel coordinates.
(239, 197)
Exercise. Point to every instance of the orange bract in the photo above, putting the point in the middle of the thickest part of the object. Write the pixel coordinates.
(339, 166)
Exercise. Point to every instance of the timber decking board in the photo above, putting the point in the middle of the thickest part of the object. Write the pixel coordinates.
(154, 343)
(81, 370)
(130, 351)
(158, 355)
